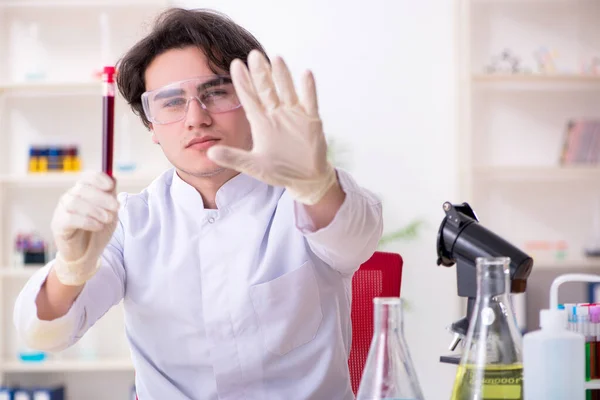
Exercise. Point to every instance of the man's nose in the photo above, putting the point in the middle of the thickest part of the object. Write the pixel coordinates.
(196, 115)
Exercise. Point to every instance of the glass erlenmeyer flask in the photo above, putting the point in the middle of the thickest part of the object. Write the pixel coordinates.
(389, 373)
(491, 364)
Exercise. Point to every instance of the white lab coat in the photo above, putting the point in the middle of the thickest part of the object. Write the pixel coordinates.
(243, 302)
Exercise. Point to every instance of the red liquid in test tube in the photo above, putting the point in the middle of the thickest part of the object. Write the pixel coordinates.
(108, 118)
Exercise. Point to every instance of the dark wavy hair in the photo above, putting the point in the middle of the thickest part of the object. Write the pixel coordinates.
(219, 37)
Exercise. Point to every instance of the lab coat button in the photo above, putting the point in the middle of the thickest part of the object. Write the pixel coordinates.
(211, 220)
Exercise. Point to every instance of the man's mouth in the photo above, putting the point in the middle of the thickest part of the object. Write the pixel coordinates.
(202, 143)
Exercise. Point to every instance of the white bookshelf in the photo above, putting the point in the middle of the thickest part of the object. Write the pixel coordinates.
(513, 122)
(64, 108)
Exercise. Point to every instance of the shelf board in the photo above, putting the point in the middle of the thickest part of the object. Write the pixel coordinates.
(593, 384)
(536, 82)
(67, 365)
(78, 4)
(535, 78)
(24, 272)
(532, 2)
(538, 174)
(545, 263)
(51, 88)
(61, 179)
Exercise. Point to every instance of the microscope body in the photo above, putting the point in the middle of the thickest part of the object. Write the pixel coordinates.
(461, 240)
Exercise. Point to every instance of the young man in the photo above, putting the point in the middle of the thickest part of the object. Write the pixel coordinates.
(235, 267)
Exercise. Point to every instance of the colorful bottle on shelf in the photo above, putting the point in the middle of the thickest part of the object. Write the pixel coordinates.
(68, 159)
(54, 159)
(18, 255)
(76, 160)
(35, 252)
(33, 159)
(29, 355)
(43, 160)
(42, 163)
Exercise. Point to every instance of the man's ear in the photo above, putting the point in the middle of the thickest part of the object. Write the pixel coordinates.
(154, 138)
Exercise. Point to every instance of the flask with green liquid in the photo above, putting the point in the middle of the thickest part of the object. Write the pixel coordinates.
(491, 365)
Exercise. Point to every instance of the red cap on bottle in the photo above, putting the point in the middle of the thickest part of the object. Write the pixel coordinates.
(108, 74)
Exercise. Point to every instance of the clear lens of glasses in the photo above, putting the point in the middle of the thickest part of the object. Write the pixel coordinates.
(170, 103)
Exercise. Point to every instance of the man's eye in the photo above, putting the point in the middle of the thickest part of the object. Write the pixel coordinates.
(214, 93)
(174, 102)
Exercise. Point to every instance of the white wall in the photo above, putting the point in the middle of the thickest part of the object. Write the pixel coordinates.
(385, 75)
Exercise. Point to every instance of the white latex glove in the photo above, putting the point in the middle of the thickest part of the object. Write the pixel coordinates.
(82, 225)
(289, 147)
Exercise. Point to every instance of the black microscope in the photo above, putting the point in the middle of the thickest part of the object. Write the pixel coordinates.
(461, 240)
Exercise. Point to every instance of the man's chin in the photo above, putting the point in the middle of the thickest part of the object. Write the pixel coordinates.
(204, 168)
(208, 172)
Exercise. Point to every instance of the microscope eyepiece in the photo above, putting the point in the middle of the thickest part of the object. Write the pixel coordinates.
(461, 238)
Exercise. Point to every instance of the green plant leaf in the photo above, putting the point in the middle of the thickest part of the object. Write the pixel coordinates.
(409, 232)
(406, 305)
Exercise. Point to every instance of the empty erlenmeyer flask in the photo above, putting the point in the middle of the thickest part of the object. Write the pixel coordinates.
(491, 364)
(389, 373)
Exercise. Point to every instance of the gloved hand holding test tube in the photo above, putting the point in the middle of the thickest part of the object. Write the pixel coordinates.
(87, 214)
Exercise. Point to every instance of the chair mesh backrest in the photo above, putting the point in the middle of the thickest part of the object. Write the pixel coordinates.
(380, 276)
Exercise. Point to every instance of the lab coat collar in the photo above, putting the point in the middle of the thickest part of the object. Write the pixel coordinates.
(236, 189)
(228, 194)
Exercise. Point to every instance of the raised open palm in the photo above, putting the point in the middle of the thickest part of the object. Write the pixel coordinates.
(289, 147)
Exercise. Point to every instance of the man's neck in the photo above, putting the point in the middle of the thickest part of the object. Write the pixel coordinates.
(208, 186)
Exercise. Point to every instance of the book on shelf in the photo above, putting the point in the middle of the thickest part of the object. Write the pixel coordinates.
(581, 142)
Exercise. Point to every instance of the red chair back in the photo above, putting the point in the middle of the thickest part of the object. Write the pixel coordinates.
(380, 276)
